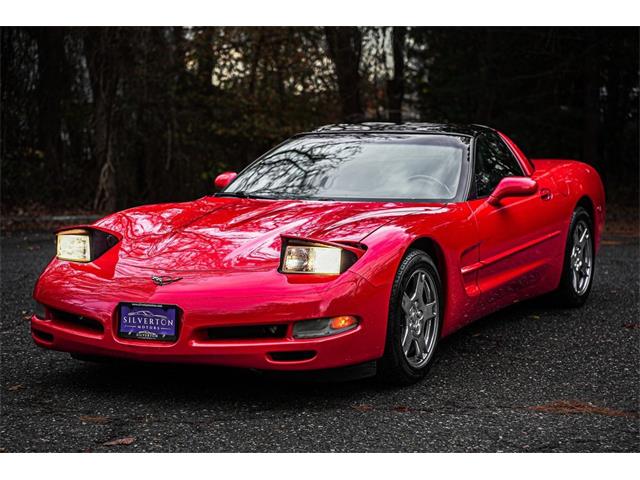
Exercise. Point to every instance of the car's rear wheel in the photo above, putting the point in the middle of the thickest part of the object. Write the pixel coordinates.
(579, 261)
(414, 324)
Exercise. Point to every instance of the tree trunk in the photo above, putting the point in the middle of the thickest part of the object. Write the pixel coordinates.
(591, 106)
(345, 49)
(395, 86)
(51, 90)
(101, 51)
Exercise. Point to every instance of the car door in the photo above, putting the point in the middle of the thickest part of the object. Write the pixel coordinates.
(516, 238)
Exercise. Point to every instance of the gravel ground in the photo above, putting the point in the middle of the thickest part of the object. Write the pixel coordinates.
(530, 378)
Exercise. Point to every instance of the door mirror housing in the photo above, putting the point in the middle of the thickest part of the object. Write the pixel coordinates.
(512, 187)
(224, 179)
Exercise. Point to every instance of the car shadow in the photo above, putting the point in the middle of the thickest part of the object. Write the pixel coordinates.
(145, 382)
(186, 384)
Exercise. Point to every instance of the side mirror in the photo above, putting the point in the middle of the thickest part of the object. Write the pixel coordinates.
(512, 187)
(224, 179)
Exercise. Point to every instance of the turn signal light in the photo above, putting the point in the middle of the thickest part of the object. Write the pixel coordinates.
(345, 321)
(322, 327)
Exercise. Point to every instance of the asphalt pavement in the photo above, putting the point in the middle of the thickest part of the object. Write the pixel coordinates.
(530, 378)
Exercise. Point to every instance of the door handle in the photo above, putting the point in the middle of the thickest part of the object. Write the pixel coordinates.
(545, 194)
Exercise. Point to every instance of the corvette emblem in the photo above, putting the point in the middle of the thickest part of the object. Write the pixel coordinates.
(160, 281)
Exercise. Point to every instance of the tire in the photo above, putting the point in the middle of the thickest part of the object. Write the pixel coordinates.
(412, 316)
(579, 266)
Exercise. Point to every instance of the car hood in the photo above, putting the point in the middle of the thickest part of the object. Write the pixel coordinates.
(222, 233)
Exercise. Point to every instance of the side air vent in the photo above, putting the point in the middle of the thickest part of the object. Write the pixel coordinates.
(44, 336)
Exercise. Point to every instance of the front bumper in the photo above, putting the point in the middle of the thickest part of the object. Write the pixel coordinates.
(208, 302)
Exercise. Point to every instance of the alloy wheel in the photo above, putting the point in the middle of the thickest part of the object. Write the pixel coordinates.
(581, 258)
(421, 318)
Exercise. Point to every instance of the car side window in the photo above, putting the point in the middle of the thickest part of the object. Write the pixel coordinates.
(494, 161)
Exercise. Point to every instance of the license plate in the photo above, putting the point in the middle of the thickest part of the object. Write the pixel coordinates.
(145, 321)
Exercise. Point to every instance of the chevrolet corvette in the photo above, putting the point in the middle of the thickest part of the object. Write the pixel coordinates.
(348, 246)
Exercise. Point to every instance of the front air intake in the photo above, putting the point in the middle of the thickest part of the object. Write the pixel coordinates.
(249, 332)
(76, 322)
(293, 356)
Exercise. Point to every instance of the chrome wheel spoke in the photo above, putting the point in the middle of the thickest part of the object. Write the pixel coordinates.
(406, 304)
(429, 310)
(583, 238)
(407, 339)
(576, 237)
(420, 348)
(420, 284)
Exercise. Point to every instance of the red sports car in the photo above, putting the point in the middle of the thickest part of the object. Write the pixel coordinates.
(352, 245)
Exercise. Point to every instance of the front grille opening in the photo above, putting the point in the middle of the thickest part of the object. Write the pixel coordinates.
(296, 356)
(247, 332)
(70, 320)
(47, 337)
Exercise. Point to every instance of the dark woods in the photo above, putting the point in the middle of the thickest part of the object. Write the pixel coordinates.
(105, 118)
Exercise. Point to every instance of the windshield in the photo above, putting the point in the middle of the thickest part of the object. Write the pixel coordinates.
(371, 166)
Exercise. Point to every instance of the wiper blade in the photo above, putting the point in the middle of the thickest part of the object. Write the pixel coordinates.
(312, 198)
(232, 194)
(243, 195)
(264, 194)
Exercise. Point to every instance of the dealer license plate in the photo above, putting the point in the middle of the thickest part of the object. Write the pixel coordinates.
(146, 321)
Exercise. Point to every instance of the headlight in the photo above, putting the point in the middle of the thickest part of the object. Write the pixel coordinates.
(307, 259)
(74, 245)
(83, 245)
(307, 256)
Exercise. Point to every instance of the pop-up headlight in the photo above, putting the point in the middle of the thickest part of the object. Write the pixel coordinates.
(74, 245)
(83, 245)
(312, 259)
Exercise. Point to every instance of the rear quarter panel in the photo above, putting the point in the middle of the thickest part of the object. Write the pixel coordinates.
(576, 180)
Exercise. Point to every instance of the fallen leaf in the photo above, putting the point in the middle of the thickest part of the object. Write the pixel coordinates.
(120, 441)
(362, 408)
(100, 420)
(15, 388)
(575, 406)
(401, 408)
(535, 317)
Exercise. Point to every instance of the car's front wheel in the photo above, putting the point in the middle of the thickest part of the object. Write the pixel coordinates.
(415, 318)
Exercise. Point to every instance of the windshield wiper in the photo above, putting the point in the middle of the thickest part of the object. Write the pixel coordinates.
(232, 194)
(244, 195)
(310, 197)
(274, 196)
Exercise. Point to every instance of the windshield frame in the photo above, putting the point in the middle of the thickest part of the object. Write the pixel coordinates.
(460, 196)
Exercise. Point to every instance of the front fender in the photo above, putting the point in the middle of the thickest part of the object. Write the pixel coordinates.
(454, 230)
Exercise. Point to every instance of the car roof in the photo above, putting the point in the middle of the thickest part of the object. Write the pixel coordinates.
(408, 127)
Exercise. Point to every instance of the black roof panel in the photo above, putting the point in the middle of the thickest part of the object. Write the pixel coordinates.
(409, 127)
